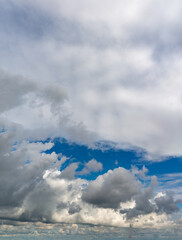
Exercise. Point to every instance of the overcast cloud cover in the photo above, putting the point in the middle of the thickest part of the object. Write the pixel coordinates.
(89, 72)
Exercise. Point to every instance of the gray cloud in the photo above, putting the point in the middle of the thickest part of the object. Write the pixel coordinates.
(145, 205)
(23, 22)
(112, 188)
(91, 166)
(21, 168)
(69, 172)
(12, 90)
(129, 85)
(16, 90)
(167, 203)
(98, 75)
(74, 208)
(39, 204)
(33, 188)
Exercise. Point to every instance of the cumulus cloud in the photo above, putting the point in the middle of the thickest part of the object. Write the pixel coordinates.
(143, 203)
(21, 167)
(167, 203)
(146, 204)
(111, 188)
(31, 183)
(91, 166)
(69, 172)
(87, 72)
(34, 189)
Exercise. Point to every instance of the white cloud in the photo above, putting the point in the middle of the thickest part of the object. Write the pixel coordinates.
(87, 72)
(123, 84)
(33, 188)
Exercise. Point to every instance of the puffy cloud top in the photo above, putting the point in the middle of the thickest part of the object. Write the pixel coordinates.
(112, 188)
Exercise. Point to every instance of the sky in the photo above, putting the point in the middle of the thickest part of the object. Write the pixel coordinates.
(90, 115)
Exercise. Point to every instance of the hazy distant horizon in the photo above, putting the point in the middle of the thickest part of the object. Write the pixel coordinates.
(79, 231)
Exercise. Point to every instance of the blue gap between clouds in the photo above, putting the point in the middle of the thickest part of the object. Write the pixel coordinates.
(125, 159)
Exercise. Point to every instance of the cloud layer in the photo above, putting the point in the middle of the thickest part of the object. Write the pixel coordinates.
(34, 189)
(88, 72)
(120, 68)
